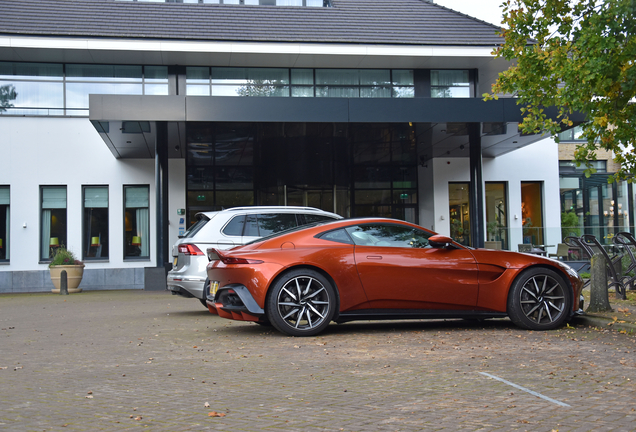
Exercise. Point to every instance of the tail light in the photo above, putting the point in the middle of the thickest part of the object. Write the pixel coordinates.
(216, 254)
(189, 249)
(232, 260)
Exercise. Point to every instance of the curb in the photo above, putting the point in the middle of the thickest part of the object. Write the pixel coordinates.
(604, 322)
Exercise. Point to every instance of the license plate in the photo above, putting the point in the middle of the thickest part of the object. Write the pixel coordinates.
(214, 287)
(174, 261)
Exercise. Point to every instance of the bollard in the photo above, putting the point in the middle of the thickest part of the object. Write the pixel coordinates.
(599, 299)
(63, 283)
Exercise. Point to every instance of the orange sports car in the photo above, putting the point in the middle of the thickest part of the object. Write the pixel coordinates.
(375, 268)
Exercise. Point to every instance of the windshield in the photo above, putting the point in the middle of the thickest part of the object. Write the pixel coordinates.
(203, 219)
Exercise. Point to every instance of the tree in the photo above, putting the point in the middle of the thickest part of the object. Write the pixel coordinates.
(7, 93)
(577, 56)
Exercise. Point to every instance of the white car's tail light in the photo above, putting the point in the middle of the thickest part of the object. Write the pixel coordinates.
(189, 249)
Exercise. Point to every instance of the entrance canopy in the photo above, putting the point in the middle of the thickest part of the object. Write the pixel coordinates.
(127, 123)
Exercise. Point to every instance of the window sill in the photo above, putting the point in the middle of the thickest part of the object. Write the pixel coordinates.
(91, 261)
(7, 262)
(134, 259)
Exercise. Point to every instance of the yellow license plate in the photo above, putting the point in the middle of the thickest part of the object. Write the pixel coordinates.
(174, 262)
(214, 287)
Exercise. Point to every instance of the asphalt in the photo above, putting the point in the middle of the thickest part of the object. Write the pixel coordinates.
(130, 360)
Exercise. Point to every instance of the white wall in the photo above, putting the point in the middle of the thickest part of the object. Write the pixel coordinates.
(536, 162)
(69, 152)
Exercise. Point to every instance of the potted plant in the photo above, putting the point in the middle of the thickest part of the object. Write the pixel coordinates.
(64, 259)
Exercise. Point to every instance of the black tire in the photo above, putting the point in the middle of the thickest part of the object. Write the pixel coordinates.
(301, 303)
(206, 288)
(539, 299)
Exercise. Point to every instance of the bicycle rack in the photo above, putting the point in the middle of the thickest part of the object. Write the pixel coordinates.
(627, 241)
(590, 245)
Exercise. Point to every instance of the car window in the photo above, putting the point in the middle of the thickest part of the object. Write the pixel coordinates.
(196, 227)
(251, 226)
(339, 235)
(270, 223)
(310, 218)
(235, 226)
(388, 235)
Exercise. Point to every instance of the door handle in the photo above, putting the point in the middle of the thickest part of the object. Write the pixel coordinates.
(374, 257)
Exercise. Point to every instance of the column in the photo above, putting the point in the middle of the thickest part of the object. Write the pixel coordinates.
(476, 190)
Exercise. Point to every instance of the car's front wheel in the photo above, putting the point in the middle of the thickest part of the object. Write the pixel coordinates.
(539, 299)
(301, 303)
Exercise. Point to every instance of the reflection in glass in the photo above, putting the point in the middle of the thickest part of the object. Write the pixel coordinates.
(450, 84)
(77, 93)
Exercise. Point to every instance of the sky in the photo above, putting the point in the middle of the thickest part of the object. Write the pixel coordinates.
(485, 10)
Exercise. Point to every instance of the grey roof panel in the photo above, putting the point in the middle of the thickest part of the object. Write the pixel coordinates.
(409, 22)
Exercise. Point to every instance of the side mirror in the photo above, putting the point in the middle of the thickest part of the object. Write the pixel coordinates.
(440, 241)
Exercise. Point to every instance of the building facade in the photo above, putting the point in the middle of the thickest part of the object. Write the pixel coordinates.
(121, 120)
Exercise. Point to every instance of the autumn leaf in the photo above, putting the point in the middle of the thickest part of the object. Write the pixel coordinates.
(216, 414)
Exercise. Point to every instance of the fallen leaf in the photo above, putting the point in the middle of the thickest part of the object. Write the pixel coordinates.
(216, 414)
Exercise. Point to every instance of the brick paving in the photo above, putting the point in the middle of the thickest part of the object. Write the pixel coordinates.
(132, 360)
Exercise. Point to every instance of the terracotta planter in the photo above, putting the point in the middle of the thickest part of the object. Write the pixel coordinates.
(74, 275)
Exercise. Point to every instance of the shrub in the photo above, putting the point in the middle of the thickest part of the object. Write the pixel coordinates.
(64, 256)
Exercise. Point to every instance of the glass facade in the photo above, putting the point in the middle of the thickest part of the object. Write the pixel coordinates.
(601, 209)
(282, 82)
(63, 89)
(54, 89)
(349, 169)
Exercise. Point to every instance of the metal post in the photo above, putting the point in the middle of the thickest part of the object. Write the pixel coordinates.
(476, 196)
(161, 189)
(63, 283)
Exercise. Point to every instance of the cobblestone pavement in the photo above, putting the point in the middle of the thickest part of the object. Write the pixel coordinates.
(129, 360)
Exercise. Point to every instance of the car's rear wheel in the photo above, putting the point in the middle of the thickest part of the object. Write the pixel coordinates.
(301, 303)
(539, 299)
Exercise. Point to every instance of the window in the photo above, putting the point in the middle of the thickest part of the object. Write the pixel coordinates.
(266, 224)
(532, 212)
(496, 213)
(388, 235)
(136, 222)
(575, 135)
(4, 223)
(282, 82)
(33, 88)
(59, 89)
(312, 218)
(568, 166)
(339, 236)
(95, 238)
(450, 84)
(53, 228)
(459, 210)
